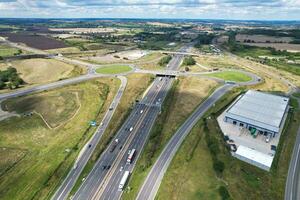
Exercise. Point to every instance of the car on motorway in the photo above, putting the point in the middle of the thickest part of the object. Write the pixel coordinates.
(90, 145)
(141, 111)
(111, 108)
(114, 145)
(131, 128)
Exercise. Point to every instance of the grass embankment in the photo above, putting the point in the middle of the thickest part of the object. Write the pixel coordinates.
(63, 104)
(231, 76)
(185, 95)
(150, 61)
(36, 70)
(266, 73)
(191, 174)
(136, 85)
(113, 69)
(48, 153)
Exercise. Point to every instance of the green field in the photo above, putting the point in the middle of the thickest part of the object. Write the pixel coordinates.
(37, 157)
(231, 76)
(191, 174)
(8, 51)
(113, 69)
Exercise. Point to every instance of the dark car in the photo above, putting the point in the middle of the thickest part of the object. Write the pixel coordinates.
(103, 167)
(90, 145)
(108, 167)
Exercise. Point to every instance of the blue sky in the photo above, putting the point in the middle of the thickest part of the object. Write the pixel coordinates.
(195, 9)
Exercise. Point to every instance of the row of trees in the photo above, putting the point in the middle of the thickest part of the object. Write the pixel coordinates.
(9, 78)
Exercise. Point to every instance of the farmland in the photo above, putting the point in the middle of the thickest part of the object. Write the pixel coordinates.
(34, 71)
(36, 41)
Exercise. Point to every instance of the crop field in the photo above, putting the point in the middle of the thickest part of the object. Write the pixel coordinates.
(38, 157)
(35, 41)
(183, 98)
(36, 71)
(278, 46)
(263, 38)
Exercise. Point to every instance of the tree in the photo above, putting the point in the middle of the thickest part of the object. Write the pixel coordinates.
(2, 85)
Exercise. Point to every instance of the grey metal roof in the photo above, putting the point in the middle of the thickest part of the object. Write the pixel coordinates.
(259, 109)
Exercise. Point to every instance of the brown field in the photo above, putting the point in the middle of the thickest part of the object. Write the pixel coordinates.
(35, 41)
(262, 38)
(278, 46)
(36, 71)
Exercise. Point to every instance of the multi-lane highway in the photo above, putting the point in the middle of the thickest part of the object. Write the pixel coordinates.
(154, 178)
(85, 154)
(104, 179)
(292, 187)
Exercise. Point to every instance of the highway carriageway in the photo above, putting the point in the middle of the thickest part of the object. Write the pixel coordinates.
(103, 183)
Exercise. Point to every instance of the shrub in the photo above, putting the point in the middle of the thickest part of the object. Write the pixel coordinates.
(189, 61)
(224, 193)
(165, 60)
(218, 166)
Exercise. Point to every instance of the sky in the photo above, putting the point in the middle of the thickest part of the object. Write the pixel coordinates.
(190, 9)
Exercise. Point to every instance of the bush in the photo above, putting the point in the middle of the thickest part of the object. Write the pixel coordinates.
(165, 60)
(218, 166)
(189, 61)
(224, 193)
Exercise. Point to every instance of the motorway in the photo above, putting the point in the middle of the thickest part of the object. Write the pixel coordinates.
(151, 184)
(154, 178)
(85, 154)
(292, 188)
(102, 183)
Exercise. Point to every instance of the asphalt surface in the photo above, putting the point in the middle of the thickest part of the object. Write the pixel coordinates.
(103, 183)
(154, 178)
(85, 154)
(151, 184)
(292, 188)
(49, 86)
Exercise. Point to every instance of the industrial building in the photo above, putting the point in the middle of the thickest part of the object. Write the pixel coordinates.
(252, 125)
(259, 112)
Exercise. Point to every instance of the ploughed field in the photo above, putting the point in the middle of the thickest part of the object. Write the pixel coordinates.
(35, 41)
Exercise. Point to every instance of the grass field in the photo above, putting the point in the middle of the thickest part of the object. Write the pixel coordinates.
(183, 98)
(49, 153)
(191, 175)
(8, 51)
(63, 104)
(113, 69)
(231, 76)
(137, 84)
(36, 71)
